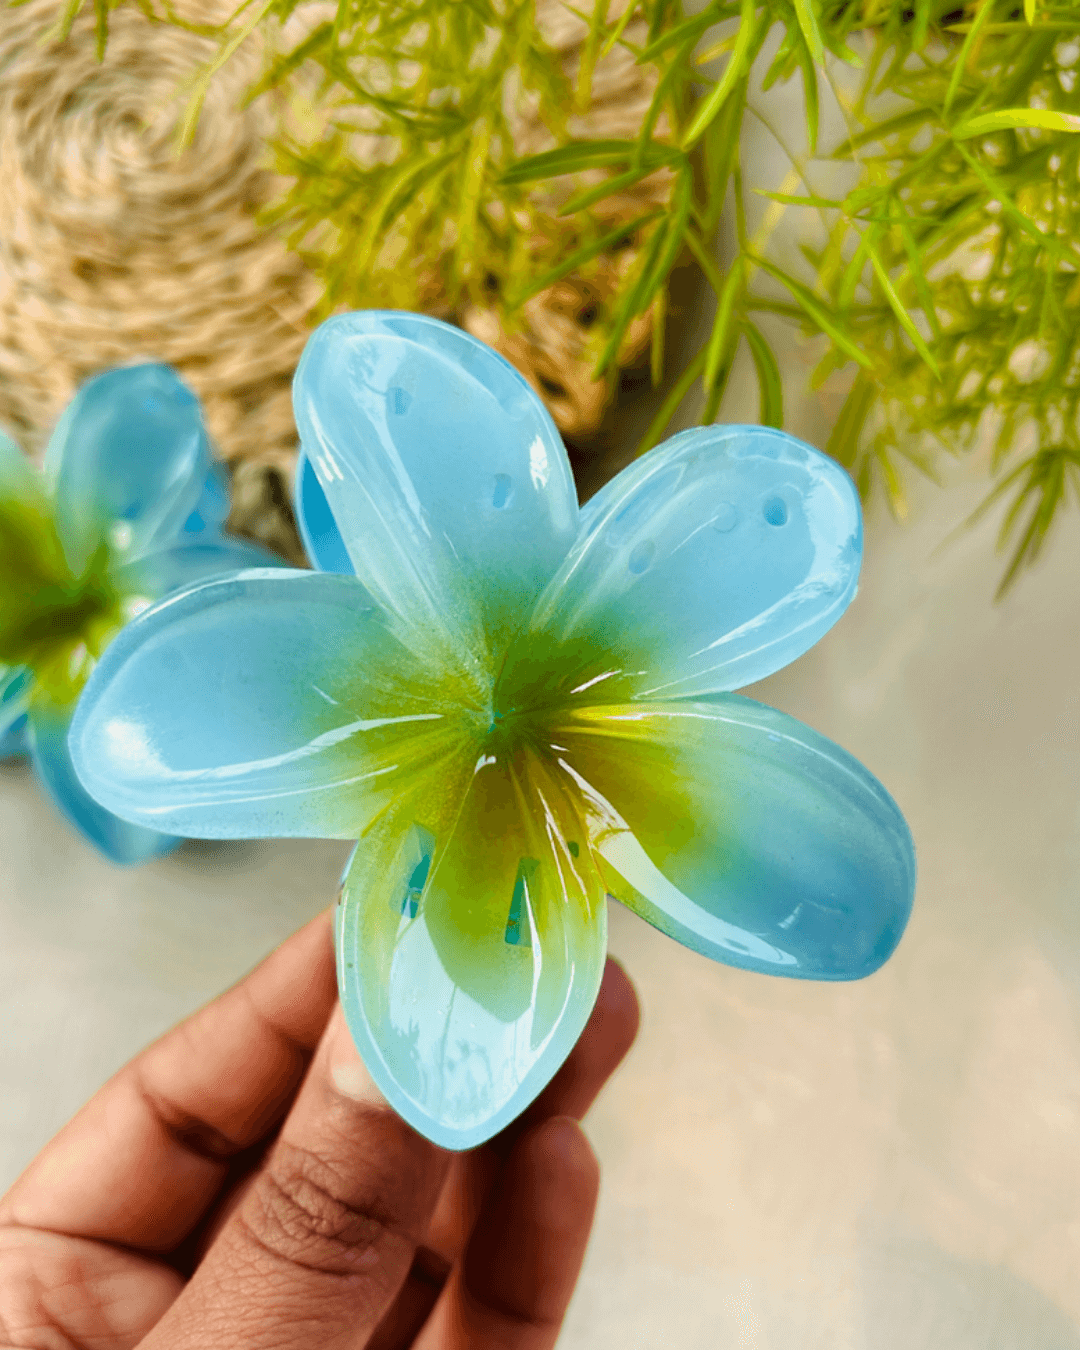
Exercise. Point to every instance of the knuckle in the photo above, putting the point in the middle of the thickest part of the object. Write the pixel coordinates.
(297, 1213)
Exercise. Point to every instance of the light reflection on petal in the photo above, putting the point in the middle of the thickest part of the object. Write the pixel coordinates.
(445, 475)
(266, 703)
(471, 943)
(706, 565)
(744, 834)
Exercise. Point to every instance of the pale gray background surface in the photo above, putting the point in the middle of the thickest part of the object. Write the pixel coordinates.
(891, 1165)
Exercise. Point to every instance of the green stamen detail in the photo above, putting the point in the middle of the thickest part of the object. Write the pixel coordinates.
(53, 621)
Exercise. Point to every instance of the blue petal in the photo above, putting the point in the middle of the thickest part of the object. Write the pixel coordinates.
(14, 743)
(443, 470)
(15, 684)
(471, 940)
(129, 460)
(266, 703)
(710, 563)
(202, 556)
(744, 835)
(212, 509)
(116, 839)
(318, 529)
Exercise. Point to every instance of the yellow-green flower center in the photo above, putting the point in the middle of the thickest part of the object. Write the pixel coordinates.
(52, 620)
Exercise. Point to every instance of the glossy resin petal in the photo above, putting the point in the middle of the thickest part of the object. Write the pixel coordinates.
(471, 943)
(443, 470)
(129, 460)
(201, 556)
(15, 685)
(710, 563)
(318, 529)
(15, 742)
(120, 841)
(269, 703)
(212, 509)
(745, 835)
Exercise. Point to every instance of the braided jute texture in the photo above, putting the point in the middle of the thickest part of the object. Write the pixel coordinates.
(114, 249)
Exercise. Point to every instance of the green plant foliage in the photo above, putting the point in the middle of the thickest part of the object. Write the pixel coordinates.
(954, 263)
(948, 282)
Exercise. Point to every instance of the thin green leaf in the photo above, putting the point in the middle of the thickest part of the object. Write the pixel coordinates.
(804, 12)
(656, 344)
(285, 65)
(720, 151)
(999, 192)
(810, 94)
(670, 405)
(922, 24)
(843, 444)
(666, 88)
(705, 261)
(60, 31)
(683, 200)
(780, 64)
(898, 308)
(581, 201)
(788, 199)
(964, 56)
(770, 383)
(634, 299)
(814, 309)
(714, 397)
(1009, 119)
(186, 130)
(852, 275)
(893, 483)
(617, 32)
(468, 203)
(689, 28)
(733, 72)
(1029, 12)
(1047, 475)
(589, 55)
(720, 338)
(399, 192)
(576, 157)
(1006, 29)
(580, 257)
(101, 28)
(880, 132)
(664, 249)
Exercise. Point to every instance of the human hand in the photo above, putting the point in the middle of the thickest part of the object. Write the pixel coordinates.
(242, 1185)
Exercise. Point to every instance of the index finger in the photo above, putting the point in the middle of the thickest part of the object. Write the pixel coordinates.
(144, 1159)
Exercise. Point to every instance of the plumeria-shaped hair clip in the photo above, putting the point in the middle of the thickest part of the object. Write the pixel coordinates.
(129, 507)
(517, 708)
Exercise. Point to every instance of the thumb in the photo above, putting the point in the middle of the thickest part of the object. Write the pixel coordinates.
(323, 1239)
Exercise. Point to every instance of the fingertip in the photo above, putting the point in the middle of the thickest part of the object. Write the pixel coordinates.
(619, 1007)
(523, 1259)
(563, 1165)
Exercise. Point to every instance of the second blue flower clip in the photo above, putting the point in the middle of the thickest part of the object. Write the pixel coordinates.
(129, 506)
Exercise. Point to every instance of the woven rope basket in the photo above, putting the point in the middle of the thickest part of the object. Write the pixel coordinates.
(114, 249)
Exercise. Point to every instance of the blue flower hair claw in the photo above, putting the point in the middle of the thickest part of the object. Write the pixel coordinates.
(518, 709)
(128, 508)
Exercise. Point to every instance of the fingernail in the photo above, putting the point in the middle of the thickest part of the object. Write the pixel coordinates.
(346, 1068)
